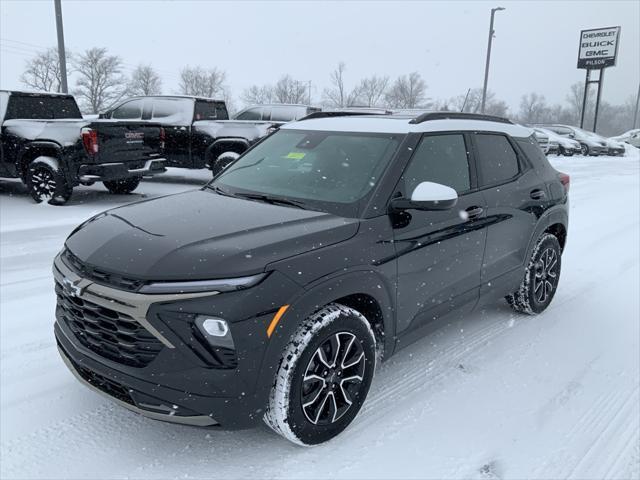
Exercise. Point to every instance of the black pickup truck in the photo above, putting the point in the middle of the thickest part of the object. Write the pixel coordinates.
(45, 141)
(199, 132)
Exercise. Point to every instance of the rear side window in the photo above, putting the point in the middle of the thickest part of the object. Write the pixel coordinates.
(497, 160)
(129, 111)
(250, 114)
(175, 111)
(285, 114)
(41, 107)
(532, 150)
(441, 159)
(210, 111)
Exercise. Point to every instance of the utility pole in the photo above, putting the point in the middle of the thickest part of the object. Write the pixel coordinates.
(635, 115)
(310, 94)
(486, 67)
(62, 57)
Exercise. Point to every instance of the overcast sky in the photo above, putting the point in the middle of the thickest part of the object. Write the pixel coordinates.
(535, 47)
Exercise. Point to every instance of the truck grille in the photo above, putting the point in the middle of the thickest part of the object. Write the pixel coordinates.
(100, 276)
(108, 333)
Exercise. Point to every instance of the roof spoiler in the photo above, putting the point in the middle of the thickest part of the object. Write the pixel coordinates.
(425, 117)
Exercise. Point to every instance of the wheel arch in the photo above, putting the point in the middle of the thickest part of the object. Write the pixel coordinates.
(34, 150)
(364, 291)
(555, 221)
(221, 145)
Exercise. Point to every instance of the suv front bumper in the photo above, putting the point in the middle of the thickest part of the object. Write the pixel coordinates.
(178, 384)
(90, 173)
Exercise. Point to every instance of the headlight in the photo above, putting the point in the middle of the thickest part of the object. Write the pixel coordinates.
(213, 286)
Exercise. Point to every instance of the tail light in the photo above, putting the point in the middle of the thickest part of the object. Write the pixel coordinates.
(162, 138)
(564, 180)
(90, 140)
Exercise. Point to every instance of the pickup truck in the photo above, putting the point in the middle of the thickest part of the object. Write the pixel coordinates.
(45, 142)
(199, 132)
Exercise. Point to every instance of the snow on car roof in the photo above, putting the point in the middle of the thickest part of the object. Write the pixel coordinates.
(390, 124)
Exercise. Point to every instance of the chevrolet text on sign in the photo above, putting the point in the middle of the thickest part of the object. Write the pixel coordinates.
(598, 47)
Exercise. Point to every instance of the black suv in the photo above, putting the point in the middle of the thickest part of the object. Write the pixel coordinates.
(274, 291)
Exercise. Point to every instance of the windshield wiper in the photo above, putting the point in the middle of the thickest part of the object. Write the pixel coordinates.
(219, 190)
(272, 200)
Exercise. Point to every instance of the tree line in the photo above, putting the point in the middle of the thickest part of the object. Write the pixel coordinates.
(100, 82)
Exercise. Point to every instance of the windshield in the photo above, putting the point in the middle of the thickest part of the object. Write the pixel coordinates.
(323, 170)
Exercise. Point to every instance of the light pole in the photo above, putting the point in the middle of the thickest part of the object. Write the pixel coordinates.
(486, 67)
(62, 57)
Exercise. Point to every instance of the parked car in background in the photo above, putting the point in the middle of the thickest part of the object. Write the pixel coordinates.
(564, 145)
(45, 141)
(275, 290)
(632, 137)
(542, 139)
(589, 145)
(278, 113)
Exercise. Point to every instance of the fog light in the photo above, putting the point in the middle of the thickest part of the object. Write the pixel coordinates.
(215, 330)
(215, 327)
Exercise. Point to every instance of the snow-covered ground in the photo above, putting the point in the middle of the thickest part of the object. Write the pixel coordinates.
(497, 395)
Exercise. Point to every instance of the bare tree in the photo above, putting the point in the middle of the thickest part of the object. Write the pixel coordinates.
(200, 82)
(288, 90)
(144, 81)
(408, 91)
(257, 95)
(533, 108)
(42, 72)
(371, 90)
(337, 95)
(100, 82)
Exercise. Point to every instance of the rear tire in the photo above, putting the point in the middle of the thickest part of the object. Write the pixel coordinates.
(324, 376)
(46, 181)
(540, 279)
(122, 186)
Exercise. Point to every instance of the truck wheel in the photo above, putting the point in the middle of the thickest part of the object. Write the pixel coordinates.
(324, 376)
(46, 181)
(541, 277)
(122, 186)
(223, 161)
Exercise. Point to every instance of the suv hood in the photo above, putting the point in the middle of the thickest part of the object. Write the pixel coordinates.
(201, 235)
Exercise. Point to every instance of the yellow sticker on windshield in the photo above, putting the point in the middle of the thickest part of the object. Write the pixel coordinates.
(295, 155)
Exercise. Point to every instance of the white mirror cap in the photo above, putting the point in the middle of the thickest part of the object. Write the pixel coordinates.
(433, 192)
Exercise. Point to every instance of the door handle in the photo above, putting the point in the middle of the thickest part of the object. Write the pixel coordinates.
(474, 212)
(537, 194)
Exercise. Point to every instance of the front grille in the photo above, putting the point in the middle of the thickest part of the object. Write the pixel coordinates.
(108, 333)
(100, 276)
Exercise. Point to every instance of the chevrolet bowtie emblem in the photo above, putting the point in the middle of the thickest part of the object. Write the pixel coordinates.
(72, 288)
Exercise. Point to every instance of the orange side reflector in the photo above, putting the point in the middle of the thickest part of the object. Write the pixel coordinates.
(276, 319)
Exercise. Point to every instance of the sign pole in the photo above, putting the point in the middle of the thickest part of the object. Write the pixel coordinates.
(595, 118)
(584, 97)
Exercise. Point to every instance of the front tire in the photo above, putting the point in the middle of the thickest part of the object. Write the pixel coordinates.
(324, 376)
(584, 149)
(122, 186)
(541, 277)
(223, 161)
(46, 181)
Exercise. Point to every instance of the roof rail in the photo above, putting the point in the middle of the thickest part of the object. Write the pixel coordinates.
(425, 117)
(343, 113)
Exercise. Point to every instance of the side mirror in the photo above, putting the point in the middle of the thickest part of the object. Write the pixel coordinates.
(104, 115)
(572, 135)
(428, 196)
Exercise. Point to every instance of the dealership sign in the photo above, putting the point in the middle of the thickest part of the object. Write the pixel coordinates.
(598, 47)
